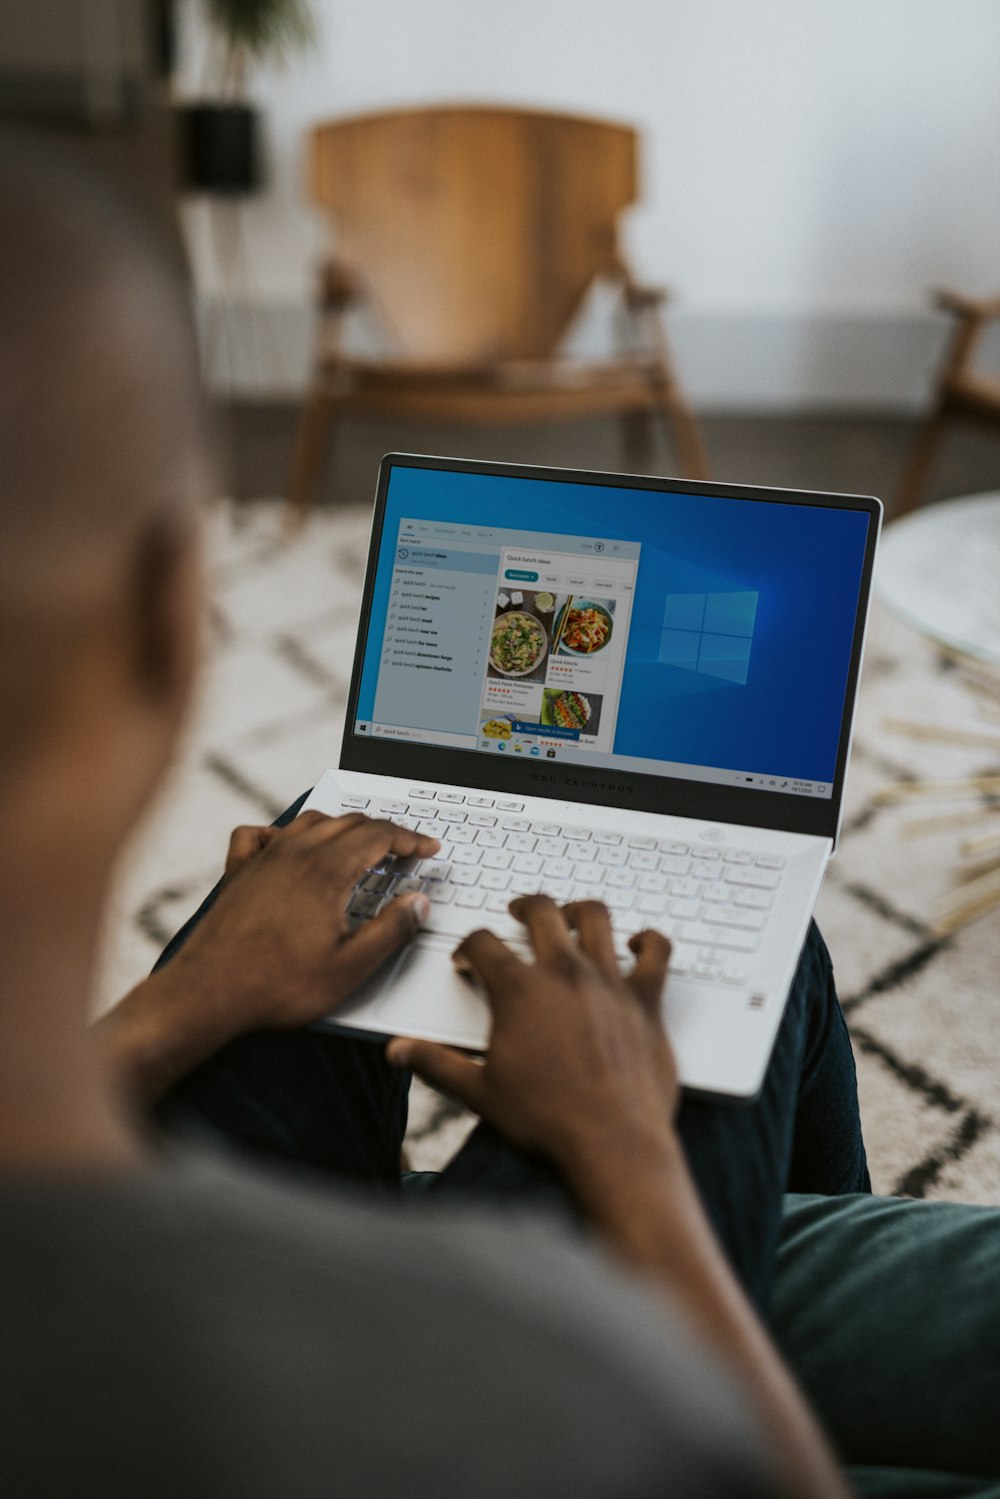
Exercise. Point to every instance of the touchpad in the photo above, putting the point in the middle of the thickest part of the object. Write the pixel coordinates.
(425, 997)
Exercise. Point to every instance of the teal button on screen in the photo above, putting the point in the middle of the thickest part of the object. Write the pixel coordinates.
(520, 575)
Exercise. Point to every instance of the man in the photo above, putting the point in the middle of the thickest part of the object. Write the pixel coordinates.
(178, 1323)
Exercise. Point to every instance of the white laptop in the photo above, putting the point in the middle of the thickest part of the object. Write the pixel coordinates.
(596, 685)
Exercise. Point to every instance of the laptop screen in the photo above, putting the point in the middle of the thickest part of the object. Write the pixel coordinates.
(705, 637)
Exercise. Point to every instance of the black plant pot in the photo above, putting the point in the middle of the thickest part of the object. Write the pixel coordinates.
(219, 146)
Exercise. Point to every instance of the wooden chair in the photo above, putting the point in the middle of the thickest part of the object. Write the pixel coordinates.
(473, 235)
(961, 393)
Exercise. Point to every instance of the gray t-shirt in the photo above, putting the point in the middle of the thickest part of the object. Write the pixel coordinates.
(199, 1330)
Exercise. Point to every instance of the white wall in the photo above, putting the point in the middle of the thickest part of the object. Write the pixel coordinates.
(811, 167)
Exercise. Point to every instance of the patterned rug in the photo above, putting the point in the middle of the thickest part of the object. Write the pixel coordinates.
(923, 1006)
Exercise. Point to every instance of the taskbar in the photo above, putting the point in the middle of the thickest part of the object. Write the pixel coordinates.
(544, 747)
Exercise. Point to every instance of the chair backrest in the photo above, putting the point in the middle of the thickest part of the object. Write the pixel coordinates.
(475, 231)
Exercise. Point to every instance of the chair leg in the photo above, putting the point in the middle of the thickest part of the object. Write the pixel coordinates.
(637, 441)
(682, 429)
(919, 460)
(311, 446)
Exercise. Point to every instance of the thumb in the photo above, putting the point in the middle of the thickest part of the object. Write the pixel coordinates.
(443, 1067)
(367, 948)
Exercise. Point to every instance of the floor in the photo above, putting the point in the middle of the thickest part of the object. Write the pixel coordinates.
(853, 454)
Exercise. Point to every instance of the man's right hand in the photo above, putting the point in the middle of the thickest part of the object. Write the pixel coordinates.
(579, 1067)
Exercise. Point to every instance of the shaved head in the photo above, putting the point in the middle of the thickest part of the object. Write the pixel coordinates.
(102, 447)
(99, 416)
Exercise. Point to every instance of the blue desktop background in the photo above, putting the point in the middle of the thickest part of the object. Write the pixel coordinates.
(804, 563)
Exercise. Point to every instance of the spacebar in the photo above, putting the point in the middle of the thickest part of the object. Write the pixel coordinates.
(456, 921)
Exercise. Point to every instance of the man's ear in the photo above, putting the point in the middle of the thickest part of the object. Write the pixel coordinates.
(167, 611)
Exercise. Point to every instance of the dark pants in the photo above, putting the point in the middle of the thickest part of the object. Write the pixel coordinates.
(327, 1103)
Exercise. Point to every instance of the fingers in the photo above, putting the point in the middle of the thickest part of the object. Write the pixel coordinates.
(546, 924)
(592, 924)
(244, 843)
(492, 962)
(348, 845)
(442, 1067)
(649, 975)
(367, 948)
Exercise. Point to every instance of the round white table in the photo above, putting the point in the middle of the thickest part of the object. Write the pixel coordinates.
(939, 569)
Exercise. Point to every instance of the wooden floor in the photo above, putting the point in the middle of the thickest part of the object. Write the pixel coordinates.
(855, 454)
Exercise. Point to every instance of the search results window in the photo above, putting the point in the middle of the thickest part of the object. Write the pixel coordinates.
(509, 643)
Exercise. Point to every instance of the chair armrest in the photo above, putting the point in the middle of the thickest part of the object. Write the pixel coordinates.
(338, 286)
(977, 308)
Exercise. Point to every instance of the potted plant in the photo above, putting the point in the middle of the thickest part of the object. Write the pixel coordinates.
(220, 135)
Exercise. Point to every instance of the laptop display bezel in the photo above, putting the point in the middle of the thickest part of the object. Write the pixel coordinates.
(640, 792)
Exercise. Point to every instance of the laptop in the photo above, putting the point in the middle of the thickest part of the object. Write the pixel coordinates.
(636, 690)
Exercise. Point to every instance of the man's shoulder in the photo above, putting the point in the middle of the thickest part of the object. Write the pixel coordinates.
(272, 1324)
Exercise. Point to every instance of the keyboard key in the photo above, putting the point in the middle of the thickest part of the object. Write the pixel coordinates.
(355, 803)
(711, 854)
(441, 895)
(525, 884)
(674, 864)
(590, 875)
(671, 846)
(642, 861)
(620, 879)
(688, 889)
(577, 835)
(751, 921)
(718, 892)
(756, 900)
(432, 829)
(698, 932)
(558, 889)
(479, 801)
(652, 883)
(496, 903)
(470, 900)
(494, 879)
(641, 841)
(375, 884)
(520, 843)
(508, 806)
(612, 858)
(450, 814)
(706, 971)
(490, 838)
(682, 958)
(527, 864)
(496, 858)
(702, 870)
(550, 848)
(453, 798)
(559, 869)
(515, 824)
(392, 809)
(651, 905)
(734, 973)
(433, 869)
(738, 856)
(619, 900)
(582, 853)
(608, 838)
(419, 794)
(547, 829)
(771, 861)
(465, 854)
(482, 820)
(462, 875)
(685, 910)
(761, 879)
(461, 834)
(407, 886)
(366, 905)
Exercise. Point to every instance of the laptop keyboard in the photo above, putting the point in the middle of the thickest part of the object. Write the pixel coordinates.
(713, 903)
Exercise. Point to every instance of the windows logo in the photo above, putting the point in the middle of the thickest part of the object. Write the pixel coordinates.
(709, 633)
